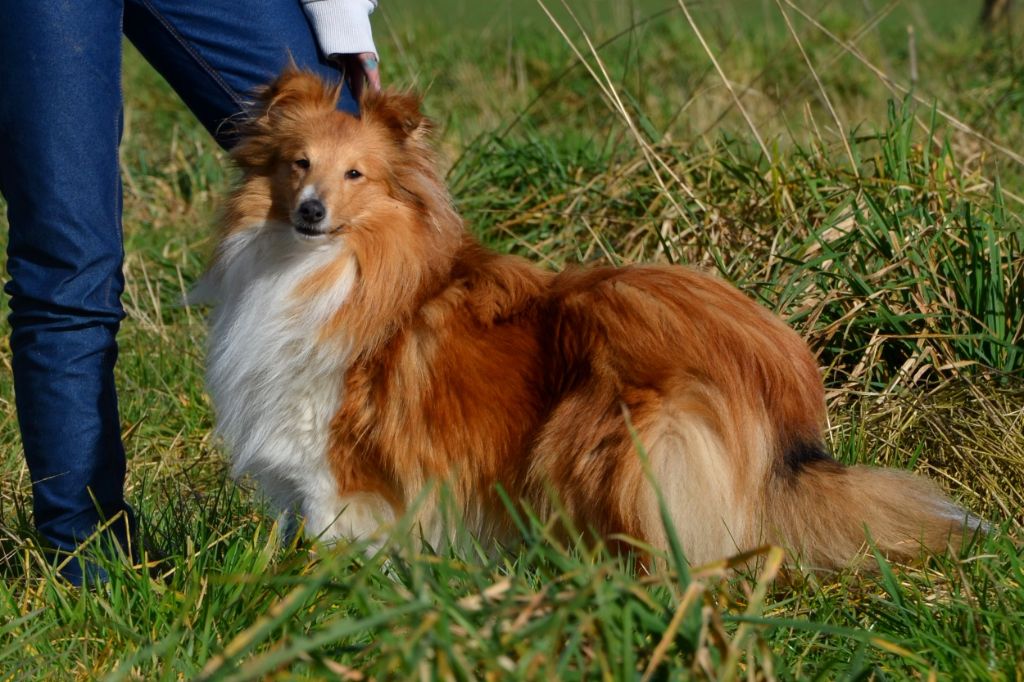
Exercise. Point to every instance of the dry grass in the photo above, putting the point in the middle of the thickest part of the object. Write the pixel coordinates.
(888, 228)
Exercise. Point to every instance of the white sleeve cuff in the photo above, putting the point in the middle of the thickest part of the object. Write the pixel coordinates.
(342, 26)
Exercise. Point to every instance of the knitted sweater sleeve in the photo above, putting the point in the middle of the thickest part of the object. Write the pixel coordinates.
(342, 26)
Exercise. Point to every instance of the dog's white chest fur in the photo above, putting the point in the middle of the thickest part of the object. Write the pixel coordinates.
(275, 384)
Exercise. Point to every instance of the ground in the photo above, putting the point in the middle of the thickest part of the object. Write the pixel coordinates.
(856, 167)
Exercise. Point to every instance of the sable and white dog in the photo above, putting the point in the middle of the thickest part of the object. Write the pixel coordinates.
(363, 345)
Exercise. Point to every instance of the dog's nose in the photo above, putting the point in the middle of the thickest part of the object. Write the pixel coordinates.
(311, 211)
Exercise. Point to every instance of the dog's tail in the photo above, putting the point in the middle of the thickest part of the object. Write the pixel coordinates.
(826, 513)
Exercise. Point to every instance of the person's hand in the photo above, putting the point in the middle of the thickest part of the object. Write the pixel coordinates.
(361, 71)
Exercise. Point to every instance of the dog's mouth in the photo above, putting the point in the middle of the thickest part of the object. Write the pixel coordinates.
(309, 232)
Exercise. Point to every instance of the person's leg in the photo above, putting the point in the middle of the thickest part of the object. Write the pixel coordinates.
(60, 120)
(215, 53)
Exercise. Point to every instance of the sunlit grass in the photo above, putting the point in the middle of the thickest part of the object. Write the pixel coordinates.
(893, 240)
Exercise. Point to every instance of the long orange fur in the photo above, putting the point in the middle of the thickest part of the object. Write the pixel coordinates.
(477, 369)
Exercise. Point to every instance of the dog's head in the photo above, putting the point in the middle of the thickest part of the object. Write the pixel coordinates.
(363, 190)
(329, 172)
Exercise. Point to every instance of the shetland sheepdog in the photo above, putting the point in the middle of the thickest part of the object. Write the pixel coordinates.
(364, 347)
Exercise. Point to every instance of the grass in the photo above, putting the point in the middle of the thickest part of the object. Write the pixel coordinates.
(882, 216)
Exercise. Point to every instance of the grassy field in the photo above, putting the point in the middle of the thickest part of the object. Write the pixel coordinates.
(855, 166)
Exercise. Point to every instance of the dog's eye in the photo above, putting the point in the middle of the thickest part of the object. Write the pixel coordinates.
(302, 163)
(352, 174)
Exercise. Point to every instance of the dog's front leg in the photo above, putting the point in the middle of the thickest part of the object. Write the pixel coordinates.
(352, 517)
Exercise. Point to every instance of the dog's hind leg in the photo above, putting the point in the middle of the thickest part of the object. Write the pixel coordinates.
(691, 472)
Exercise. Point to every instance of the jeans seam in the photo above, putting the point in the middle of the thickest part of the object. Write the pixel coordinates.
(111, 283)
(198, 58)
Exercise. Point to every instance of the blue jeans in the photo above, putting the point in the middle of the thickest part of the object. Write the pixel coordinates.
(60, 127)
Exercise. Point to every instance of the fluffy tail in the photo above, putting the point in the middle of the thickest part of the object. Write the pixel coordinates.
(821, 509)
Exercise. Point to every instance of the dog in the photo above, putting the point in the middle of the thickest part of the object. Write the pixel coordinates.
(364, 347)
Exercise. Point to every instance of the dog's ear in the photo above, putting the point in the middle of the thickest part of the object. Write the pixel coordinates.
(288, 98)
(296, 88)
(398, 113)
